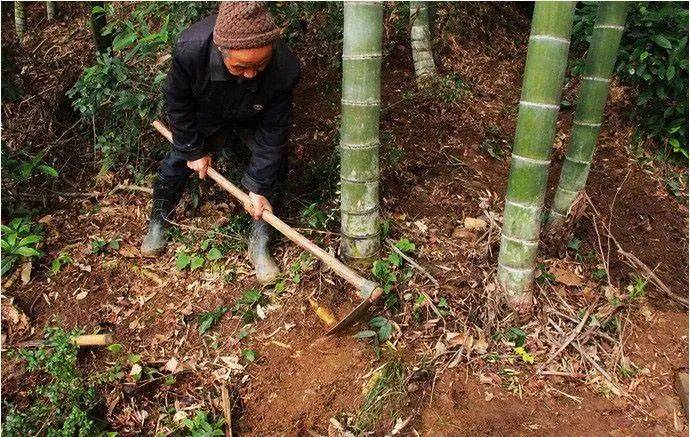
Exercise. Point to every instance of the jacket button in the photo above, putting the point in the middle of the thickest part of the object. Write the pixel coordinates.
(258, 107)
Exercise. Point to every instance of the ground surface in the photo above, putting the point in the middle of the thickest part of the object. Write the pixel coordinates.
(437, 170)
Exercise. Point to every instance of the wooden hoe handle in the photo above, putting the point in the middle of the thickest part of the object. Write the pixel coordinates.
(367, 288)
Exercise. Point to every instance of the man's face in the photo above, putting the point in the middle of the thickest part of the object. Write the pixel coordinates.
(247, 63)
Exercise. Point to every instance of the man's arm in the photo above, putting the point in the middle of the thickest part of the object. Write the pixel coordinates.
(181, 106)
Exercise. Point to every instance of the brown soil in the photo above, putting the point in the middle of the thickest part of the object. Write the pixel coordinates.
(299, 382)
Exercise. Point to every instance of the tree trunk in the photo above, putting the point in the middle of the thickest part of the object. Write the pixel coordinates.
(51, 10)
(601, 59)
(359, 134)
(547, 56)
(98, 22)
(420, 37)
(19, 20)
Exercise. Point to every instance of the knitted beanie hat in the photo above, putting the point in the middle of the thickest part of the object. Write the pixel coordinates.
(244, 25)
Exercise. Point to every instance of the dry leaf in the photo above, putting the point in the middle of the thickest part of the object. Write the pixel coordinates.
(171, 365)
(421, 226)
(81, 295)
(26, 272)
(488, 396)
(566, 277)
(464, 234)
(128, 251)
(474, 223)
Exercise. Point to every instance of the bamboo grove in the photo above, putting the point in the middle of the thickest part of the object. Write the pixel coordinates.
(547, 58)
(545, 66)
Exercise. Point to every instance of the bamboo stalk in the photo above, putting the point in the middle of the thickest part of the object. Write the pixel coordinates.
(601, 58)
(420, 39)
(51, 10)
(547, 56)
(98, 22)
(19, 20)
(359, 134)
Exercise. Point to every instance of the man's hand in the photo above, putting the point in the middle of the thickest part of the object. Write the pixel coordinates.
(258, 206)
(200, 165)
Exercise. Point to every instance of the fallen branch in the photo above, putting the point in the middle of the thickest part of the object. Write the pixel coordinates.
(567, 341)
(227, 409)
(128, 187)
(412, 262)
(635, 262)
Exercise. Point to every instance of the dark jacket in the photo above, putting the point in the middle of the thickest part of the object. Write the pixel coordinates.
(202, 97)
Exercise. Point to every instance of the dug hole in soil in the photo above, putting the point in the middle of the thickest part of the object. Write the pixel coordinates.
(436, 171)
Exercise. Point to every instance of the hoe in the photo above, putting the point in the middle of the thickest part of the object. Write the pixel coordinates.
(368, 290)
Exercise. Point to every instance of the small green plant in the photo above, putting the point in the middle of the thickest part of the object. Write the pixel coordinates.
(598, 274)
(65, 404)
(19, 240)
(249, 355)
(304, 263)
(22, 170)
(184, 259)
(202, 425)
(448, 88)
(315, 218)
(246, 306)
(545, 278)
(381, 330)
(389, 271)
(99, 245)
(61, 260)
(636, 290)
(210, 318)
(385, 391)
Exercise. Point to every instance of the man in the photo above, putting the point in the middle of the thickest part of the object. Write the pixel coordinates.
(231, 76)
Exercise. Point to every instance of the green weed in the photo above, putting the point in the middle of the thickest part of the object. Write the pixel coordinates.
(64, 403)
(61, 260)
(19, 240)
(99, 245)
(385, 391)
(210, 318)
(201, 425)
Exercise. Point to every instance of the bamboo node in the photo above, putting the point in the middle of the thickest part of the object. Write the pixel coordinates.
(598, 79)
(532, 160)
(361, 57)
(584, 123)
(577, 161)
(523, 206)
(359, 146)
(609, 26)
(520, 240)
(540, 105)
(550, 38)
(360, 102)
(527, 270)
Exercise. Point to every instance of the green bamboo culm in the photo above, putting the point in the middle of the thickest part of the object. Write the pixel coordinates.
(98, 22)
(19, 20)
(51, 10)
(359, 132)
(601, 58)
(420, 38)
(542, 83)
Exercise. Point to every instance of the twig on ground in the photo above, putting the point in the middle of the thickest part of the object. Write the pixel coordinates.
(227, 409)
(196, 229)
(129, 187)
(567, 341)
(412, 262)
(637, 263)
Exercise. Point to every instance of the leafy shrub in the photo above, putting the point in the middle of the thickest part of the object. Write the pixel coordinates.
(121, 94)
(654, 57)
(65, 403)
(19, 240)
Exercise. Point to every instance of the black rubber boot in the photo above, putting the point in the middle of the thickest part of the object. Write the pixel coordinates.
(267, 270)
(165, 197)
